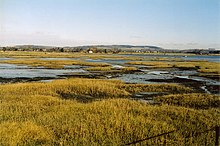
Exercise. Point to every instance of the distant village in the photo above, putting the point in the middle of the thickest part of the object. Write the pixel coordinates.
(109, 49)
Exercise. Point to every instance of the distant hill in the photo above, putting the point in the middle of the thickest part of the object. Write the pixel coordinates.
(94, 46)
(122, 47)
(107, 48)
(34, 46)
(129, 48)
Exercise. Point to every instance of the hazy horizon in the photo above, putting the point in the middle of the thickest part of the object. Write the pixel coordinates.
(171, 24)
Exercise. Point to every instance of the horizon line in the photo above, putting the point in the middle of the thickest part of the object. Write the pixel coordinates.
(170, 48)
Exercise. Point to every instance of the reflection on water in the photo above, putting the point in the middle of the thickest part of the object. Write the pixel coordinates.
(117, 66)
(203, 58)
(6, 58)
(15, 71)
(185, 72)
(32, 73)
(11, 66)
(165, 75)
(147, 76)
(158, 72)
(142, 78)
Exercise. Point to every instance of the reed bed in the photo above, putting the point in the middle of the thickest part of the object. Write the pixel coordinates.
(193, 100)
(169, 88)
(53, 63)
(45, 120)
(107, 122)
(83, 55)
(39, 114)
(92, 87)
(32, 54)
(108, 68)
(201, 66)
(152, 64)
(28, 54)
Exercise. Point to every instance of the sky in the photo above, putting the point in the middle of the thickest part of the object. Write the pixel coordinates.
(171, 24)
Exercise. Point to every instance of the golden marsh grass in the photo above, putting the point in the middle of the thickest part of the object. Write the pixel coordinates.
(37, 114)
(92, 87)
(152, 64)
(52, 63)
(107, 122)
(201, 66)
(58, 113)
(192, 100)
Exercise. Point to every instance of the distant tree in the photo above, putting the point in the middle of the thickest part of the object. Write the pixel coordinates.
(62, 50)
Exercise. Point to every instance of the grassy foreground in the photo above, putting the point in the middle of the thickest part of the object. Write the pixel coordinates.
(50, 114)
(193, 100)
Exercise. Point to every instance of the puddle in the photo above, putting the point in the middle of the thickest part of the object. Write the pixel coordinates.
(184, 72)
(46, 81)
(145, 70)
(94, 60)
(158, 72)
(5, 58)
(11, 66)
(117, 66)
(142, 78)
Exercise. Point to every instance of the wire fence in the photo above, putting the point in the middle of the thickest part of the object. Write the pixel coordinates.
(207, 137)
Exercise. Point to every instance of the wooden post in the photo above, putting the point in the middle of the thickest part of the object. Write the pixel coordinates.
(217, 132)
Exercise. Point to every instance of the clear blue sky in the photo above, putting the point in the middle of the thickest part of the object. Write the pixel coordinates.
(166, 23)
